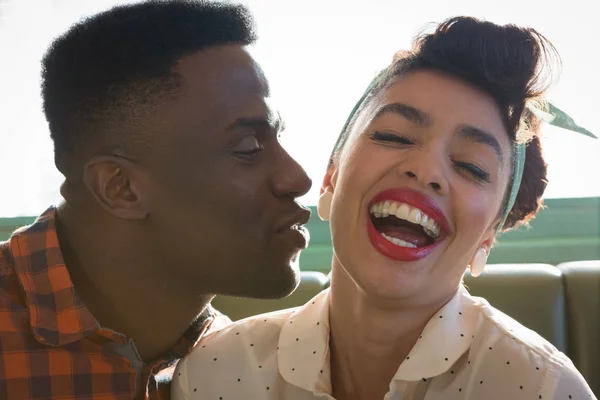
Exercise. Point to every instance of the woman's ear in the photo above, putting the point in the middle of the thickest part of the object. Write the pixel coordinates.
(479, 259)
(329, 180)
(326, 193)
(489, 238)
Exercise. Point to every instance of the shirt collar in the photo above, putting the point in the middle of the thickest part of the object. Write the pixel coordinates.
(446, 337)
(303, 348)
(56, 313)
(303, 352)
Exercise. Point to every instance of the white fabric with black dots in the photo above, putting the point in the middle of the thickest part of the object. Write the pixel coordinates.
(468, 350)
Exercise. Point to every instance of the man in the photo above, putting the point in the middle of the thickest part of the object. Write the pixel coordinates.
(176, 189)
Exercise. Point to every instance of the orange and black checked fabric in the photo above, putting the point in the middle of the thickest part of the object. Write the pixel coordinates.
(51, 347)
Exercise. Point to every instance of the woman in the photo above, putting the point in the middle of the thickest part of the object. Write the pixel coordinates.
(430, 166)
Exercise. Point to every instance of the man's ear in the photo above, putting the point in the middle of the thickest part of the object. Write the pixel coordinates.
(114, 183)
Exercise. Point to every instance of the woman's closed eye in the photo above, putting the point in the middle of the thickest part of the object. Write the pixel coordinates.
(475, 171)
(392, 138)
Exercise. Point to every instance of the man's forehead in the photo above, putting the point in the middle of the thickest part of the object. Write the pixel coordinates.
(220, 82)
(224, 68)
(218, 86)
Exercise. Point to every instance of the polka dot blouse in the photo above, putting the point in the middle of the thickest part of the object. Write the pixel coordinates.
(468, 350)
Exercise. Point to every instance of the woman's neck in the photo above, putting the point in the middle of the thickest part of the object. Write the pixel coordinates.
(369, 342)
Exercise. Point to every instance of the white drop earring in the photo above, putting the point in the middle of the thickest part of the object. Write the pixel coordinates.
(478, 262)
(324, 205)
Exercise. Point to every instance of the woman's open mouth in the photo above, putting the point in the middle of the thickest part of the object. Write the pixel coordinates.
(405, 225)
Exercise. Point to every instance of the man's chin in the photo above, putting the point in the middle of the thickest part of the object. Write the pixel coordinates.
(275, 283)
(278, 284)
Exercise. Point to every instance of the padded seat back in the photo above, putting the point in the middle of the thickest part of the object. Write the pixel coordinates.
(582, 286)
(532, 294)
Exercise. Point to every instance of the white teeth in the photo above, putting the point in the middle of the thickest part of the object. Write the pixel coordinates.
(430, 224)
(415, 216)
(386, 208)
(403, 211)
(408, 213)
(375, 210)
(398, 242)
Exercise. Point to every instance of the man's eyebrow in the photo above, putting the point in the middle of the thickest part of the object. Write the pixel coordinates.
(480, 136)
(258, 123)
(271, 121)
(411, 113)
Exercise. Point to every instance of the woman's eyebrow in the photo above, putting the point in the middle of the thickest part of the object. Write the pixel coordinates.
(478, 135)
(411, 113)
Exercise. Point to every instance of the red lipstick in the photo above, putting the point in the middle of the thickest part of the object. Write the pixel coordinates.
(414, 199)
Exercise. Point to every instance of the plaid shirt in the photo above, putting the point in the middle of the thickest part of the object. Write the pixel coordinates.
(51, 347)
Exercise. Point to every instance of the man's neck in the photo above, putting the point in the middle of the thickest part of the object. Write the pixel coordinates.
(124, 286)
(369, 343)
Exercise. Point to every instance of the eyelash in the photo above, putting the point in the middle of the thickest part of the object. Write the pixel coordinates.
(251, 152)
(391, 138)
(472, 169)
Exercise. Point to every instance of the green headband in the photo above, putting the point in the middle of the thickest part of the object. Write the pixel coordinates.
(553, 115)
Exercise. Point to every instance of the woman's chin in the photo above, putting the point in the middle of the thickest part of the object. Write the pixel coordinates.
(393, 279)
(376, 274)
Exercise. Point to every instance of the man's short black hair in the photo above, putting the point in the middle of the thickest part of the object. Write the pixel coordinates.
(110, 65)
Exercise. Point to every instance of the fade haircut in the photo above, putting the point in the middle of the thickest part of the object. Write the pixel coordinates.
(108, 70)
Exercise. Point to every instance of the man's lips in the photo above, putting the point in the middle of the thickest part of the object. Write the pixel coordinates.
(293, 228)
(295, 219)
